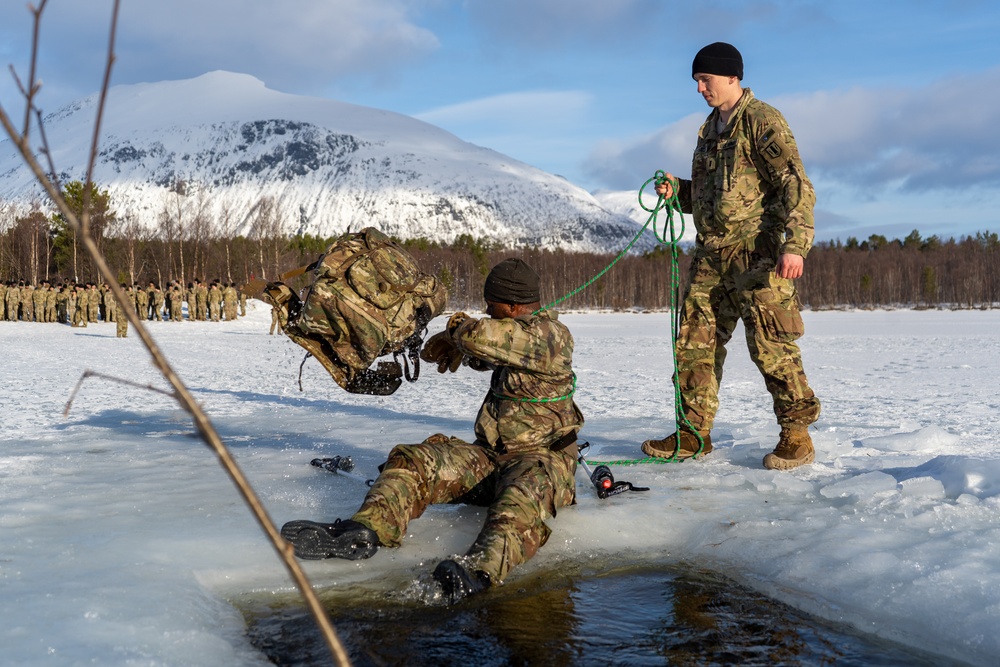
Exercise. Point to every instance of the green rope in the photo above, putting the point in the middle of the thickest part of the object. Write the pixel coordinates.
(670, 236)
(520, 399)
(680, 419)
(632, 462)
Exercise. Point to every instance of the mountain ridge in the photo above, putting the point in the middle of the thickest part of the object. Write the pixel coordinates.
(217, 146)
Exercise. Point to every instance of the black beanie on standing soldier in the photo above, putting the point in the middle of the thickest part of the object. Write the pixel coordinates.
(719, 58)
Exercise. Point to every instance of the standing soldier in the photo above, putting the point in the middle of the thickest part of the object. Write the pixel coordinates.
(192, 301)
(167, 312)
(27, 302)
(81, 307)
(64, 303)
(141, 302)
(50, 304)
(121, 319)
(201, 291)
(214, 301)
(243, 302)
(13, 301)
(110, 306)
(38, 301)
(753, 211)
(93, 303)
(102, 311)
(230, 298)
(156, 302)
(130, 297)
(3, 300)
(176, 303)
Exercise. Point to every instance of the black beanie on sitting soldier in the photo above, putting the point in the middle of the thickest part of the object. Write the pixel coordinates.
(718, 58)
(512, 281)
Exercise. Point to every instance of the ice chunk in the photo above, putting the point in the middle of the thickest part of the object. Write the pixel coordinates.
(865, 485)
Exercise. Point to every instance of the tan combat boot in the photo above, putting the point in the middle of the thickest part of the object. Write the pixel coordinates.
(664, 448)
(795, 448)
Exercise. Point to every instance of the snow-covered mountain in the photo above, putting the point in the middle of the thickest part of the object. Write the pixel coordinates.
(327, 166)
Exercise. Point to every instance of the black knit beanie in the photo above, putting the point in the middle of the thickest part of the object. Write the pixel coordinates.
(718, 58)
(512, 281)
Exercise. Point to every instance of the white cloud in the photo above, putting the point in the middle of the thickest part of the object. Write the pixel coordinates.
(513, 109)
(937, 137)
(296, 47)
(626, 164)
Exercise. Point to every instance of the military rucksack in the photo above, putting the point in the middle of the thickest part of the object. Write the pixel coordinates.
(368, 298)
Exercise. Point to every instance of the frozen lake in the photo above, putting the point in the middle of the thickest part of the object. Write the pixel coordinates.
(125, 543)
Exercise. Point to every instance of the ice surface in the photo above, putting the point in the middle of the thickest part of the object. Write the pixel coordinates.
(124, 540)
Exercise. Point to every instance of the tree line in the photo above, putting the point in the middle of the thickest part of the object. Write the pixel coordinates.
(188, 244)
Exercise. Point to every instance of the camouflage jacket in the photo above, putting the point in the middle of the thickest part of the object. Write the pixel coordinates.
(749, 180)
(529, 404)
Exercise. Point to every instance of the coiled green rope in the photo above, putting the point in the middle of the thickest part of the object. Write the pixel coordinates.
(669, 235)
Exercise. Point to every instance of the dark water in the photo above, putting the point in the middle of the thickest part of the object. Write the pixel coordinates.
(628, 617)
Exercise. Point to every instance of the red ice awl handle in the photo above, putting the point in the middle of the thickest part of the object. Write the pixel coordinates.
(603, 480)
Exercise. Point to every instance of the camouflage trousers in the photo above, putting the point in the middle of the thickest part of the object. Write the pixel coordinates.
(519, 491)
(728, 285)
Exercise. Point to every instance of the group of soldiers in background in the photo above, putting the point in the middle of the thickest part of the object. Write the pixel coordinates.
(78, 304)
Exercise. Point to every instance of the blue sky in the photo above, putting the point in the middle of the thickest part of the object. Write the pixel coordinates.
(895, 105)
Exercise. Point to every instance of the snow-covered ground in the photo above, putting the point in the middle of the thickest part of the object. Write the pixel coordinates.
(123, 540)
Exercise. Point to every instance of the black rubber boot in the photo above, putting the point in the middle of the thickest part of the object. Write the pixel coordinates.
(457, 582)
(340, 539)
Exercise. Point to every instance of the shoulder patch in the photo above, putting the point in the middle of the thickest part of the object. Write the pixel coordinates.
(771, 146)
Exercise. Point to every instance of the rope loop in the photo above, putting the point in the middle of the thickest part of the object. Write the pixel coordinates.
(669, 234)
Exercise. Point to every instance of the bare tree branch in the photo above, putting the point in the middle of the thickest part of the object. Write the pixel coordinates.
(183, 396)
(89, 373)
(33, 86)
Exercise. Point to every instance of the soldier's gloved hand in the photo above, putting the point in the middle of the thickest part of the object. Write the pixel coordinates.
(440, 350)
(455, 320)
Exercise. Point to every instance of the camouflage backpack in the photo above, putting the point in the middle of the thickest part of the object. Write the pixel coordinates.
(368, 298)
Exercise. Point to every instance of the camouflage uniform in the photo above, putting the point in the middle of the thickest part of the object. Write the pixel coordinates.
(230, 300)
(156, 301)
(141, 302)
(93, 304)
(63, 305)
(27, 303)
(751, 202)
(38, 301)
(110, 306)
(215, 302)
(176, 304)
(121, 318)
(201, 299)
(50, 304)
(80, 307)
(13, 302)
(522, 462)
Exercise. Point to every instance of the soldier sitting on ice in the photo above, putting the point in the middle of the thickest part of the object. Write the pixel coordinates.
(520, 465)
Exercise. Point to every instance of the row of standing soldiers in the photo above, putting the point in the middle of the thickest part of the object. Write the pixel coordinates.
(79, 303)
